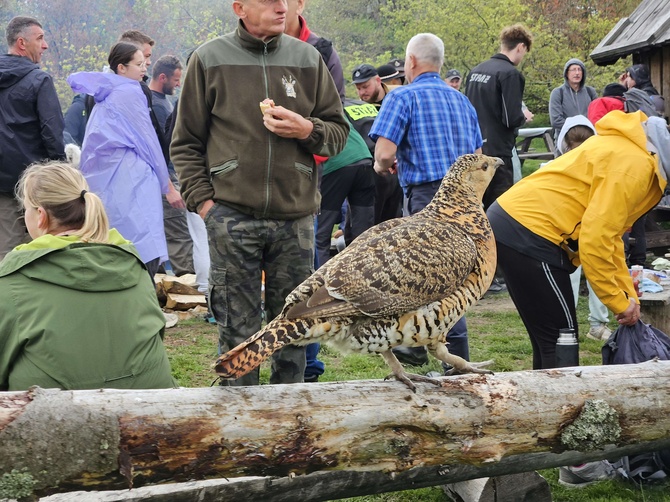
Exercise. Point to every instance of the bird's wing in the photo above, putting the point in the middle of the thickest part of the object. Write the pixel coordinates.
(411, 264)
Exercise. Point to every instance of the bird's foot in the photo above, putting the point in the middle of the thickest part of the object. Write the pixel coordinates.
(408, 378)
(478, 368)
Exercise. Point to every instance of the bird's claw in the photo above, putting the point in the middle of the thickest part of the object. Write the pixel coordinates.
(478, 368)
(408, 378)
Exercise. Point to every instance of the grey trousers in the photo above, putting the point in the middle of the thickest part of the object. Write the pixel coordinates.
(179, 242)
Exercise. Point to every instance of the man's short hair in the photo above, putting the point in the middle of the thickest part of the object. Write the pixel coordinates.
(17, 26)
(136, 37)
(511, 36)
(166, 64)
(427, 48)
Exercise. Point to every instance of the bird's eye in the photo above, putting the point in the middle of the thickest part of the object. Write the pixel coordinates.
(485, 166)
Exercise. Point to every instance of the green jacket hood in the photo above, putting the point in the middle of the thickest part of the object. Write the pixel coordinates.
(70, 263)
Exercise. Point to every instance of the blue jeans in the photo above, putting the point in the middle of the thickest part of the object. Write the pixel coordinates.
(313, 367)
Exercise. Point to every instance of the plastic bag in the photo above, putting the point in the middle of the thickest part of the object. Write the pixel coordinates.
(636, 344)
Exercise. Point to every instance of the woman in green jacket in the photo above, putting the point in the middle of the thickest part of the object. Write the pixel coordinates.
(77, 309)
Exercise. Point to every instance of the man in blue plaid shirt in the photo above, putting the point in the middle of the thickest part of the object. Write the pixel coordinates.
(421, 129)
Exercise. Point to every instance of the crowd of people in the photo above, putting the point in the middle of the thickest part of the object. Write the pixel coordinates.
(215, 187)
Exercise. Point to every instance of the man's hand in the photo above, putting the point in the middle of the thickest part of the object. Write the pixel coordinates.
(528, 114)
(629, 316)
(287, 124)
(385, 159)
(174, 198)
(205, 207)
(384, 172)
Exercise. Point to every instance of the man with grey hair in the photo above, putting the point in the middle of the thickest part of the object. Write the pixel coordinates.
(31, 122)
(250, 173)
(421, 129)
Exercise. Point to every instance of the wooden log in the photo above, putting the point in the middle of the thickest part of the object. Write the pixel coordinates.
(179, 285)
(342, 439)
(184, 302)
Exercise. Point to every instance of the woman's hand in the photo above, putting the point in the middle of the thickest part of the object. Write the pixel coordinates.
(631, 315)
(174, 198)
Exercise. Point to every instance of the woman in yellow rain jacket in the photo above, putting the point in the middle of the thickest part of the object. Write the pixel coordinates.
(575, 210)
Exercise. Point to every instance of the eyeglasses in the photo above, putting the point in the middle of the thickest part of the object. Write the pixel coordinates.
(575, 70)
(139, 65)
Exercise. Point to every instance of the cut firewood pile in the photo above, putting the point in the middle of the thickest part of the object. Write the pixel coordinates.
(179, 296)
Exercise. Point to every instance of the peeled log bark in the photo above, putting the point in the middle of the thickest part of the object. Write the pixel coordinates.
(371, 436)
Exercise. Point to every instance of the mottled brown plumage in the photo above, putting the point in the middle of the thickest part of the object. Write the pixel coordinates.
(403, 282)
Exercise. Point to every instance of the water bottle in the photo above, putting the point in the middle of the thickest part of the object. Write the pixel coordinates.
(567, 348)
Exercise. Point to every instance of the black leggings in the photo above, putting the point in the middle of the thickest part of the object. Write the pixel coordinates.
(543, 296)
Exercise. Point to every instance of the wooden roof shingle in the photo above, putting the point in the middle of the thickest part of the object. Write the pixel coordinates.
(647, 26)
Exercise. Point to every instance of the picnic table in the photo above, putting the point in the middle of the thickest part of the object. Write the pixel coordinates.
(525, 137)
(657, 236)
(655, 308)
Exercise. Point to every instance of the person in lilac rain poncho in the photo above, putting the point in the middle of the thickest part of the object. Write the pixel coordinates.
(121, 156)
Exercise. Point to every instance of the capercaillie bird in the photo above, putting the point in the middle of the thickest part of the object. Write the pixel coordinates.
(405, 282)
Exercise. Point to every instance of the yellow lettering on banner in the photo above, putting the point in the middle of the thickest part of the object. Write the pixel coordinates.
(357, 112)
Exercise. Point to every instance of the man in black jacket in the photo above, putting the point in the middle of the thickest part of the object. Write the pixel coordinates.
(495, 88)
(31, 121)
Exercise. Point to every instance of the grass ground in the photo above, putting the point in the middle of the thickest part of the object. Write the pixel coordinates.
(496, 333)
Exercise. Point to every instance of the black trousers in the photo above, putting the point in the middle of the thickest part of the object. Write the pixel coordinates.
(543, 296)
(356, 183)
(388, 197)
(501, 182)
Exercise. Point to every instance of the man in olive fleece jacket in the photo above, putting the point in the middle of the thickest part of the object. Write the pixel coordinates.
(250, 175)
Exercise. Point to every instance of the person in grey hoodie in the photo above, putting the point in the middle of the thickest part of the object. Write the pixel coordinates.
(572, 98)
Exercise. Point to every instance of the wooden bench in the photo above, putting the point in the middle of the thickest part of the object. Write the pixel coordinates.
(526, 136)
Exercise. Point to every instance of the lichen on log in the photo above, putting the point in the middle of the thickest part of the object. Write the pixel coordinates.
(596, 426)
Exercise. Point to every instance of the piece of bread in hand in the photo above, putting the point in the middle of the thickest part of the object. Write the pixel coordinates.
(266, 104)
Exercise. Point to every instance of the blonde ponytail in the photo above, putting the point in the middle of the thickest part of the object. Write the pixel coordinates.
(63, 193)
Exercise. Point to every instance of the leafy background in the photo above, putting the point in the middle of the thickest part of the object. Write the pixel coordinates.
(81, 32)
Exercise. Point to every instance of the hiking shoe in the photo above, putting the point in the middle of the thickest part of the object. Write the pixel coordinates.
(585, 474)
(209, 317)
(497, 286)
(599, 332)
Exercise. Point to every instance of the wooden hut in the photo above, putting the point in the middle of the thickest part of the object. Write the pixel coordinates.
(646, 35)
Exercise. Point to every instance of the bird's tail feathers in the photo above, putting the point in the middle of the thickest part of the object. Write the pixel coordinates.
(249, 354)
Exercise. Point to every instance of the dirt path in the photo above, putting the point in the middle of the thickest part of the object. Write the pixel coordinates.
(495, 303)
